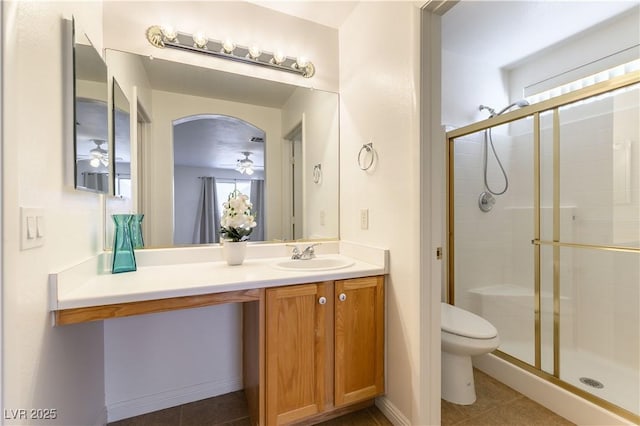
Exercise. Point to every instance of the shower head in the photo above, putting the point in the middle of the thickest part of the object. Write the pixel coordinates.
(492, 111)
(519, 103)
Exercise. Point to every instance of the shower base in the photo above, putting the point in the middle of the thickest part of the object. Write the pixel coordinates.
(621, 384)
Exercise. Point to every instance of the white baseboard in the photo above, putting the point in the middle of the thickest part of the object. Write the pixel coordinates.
(391, 412)
(159, 401)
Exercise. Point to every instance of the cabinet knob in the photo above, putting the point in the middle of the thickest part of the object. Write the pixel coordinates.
(322, 300)
(342, 297)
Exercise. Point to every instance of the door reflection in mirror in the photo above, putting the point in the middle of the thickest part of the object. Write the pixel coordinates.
(122, 142)
(213, 156)
(293, 178)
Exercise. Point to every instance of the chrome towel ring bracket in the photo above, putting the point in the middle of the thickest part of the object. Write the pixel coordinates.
(317, 173)
(366, 156)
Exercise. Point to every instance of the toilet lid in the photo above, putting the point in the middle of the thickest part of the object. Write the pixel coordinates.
(466, 324)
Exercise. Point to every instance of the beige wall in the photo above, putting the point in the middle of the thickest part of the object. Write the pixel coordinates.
(42, 366)
(379, 87)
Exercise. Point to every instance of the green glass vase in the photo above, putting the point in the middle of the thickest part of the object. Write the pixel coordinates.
(136, 231)
(124, 260)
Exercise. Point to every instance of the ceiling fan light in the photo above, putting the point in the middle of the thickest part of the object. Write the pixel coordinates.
(95, 162)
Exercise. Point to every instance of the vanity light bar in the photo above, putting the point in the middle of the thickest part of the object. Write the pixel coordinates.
(162, 37)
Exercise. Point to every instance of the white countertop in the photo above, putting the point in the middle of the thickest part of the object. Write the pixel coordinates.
(86, 285)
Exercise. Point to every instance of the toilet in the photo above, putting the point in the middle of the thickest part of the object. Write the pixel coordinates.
(464, 335)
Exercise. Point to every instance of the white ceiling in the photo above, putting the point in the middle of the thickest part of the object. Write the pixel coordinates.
(329, 13)
(504, 32)
(216, 142)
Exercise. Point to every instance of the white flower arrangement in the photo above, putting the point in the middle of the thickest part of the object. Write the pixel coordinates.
(237, 221)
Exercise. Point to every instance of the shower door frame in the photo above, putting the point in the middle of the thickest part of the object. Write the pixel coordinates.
(535, 111)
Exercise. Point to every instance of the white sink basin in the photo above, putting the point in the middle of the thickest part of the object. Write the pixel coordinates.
(315, 264)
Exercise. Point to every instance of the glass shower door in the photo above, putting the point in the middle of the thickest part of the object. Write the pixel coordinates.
(494, 268)
(588, 263)
(553, 261)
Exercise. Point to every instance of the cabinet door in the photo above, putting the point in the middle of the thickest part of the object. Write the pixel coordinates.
(359, 339)
(295, 351)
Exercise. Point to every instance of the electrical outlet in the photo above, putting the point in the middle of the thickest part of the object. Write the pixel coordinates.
(322, 217)
(364, 219)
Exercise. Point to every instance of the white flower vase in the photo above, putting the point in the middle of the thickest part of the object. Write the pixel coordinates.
(234, 252)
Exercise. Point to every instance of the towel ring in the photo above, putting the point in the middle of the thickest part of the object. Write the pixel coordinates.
(366, 149)
(317, 173)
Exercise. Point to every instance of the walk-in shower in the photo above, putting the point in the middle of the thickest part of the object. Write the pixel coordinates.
(556, 265)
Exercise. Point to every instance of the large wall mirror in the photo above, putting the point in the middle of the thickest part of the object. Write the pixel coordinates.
(91, 134)
(277, 143)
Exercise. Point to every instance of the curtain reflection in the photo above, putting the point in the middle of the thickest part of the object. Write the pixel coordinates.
(257, 199)
(96, 181)
(207, 229)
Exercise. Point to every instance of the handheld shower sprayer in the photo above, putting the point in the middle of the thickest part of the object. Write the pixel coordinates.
(492, 112)
(486, 200)
(520, 104)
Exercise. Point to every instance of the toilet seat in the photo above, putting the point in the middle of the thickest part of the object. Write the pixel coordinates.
(466, 324)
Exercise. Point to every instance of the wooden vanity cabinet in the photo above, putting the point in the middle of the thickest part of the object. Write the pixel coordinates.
(296, 349)
(324, 347)
(359, 339)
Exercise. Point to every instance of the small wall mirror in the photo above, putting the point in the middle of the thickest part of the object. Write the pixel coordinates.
(91, 134)
(122, 143)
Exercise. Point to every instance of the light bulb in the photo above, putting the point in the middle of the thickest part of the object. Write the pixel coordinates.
(254, 52)
(94, 162)
(249, 171)
(200, 40)
(169, 32)
(228, 46)
(302, 61)
(278, 57)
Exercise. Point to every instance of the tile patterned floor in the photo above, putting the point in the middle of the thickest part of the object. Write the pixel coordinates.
(231, 410)
(496, 405)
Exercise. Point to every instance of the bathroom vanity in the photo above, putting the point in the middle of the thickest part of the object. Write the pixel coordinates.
(313, 336)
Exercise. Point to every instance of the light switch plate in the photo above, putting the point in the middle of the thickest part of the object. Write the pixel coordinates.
(364, 219)
(32, 228)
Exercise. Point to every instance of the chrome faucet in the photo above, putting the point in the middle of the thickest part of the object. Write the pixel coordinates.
(306, 254)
